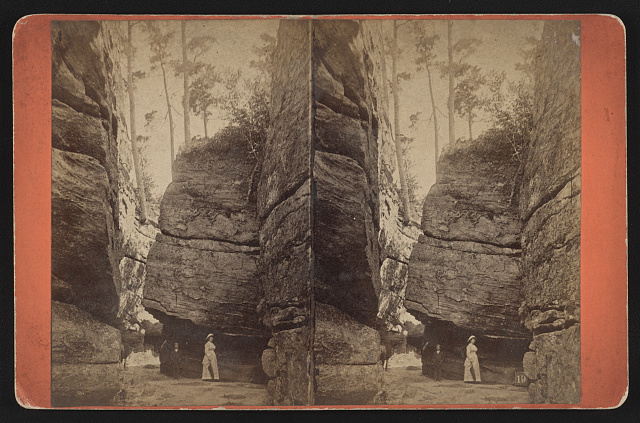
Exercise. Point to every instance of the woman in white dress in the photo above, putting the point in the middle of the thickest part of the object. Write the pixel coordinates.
(471, 363)
(210, 361)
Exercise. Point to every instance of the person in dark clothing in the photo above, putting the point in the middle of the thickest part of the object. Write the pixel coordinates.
(165, 354)
(175, 359)
(438, 359)
(424, 354)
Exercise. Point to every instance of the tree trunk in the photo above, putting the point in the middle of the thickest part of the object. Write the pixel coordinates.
(204, 119)
(435, 115)
(452, 94)
(396, 124)
(142, 195)
(185, 97)
(470, 120)
(166, 94)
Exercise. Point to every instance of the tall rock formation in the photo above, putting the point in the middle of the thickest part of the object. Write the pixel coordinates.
(324, 235)
(550, 212)
(464, 274)
(98, 246)
(202, 270)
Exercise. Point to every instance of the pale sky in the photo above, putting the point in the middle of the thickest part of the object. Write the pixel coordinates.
(234, 49)
(502, 41)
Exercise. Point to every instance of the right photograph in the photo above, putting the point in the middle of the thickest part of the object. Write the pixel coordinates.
(316, 212)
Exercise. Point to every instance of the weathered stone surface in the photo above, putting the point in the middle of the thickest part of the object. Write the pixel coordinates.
(84, 358)
(558, 367)
(471, 201)
(550, 210)
(292, 350)
(81, 46)
(393, 277)
(70, 90)
(343, 118)
(553, 156)
(551, 259)
(285, 239)
(269, 362)
(207, 287)
(286, 154)
(61, 291)
(132, 276)
(77, 337)
(209, 197)
(346, 253)
(74, 385)
(530, 365)
(82, 232)
(77, 132)
(339, 339)
(477, 291)
(346, 355)
(344, 385)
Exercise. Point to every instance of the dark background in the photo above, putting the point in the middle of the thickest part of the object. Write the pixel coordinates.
(12, 10)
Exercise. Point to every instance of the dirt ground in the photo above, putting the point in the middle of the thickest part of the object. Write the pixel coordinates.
(145, 386)
(407, 386)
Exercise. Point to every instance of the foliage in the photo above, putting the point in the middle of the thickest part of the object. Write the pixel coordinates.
(250, 114)
(149, 184)
(424, 45)
(159, 41)
(202, 96)
(468, 98)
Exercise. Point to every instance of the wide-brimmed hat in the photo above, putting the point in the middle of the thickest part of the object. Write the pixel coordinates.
(209, 336)
(470, 338)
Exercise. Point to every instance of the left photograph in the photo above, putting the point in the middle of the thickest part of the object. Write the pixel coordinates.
(137, 108)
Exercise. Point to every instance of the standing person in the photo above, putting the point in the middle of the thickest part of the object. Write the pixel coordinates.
(175, 359)
(164, 357)
(471, 362)
(438, 359)
(424, 358)
(210, 361)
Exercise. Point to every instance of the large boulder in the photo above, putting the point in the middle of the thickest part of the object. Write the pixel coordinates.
(85, 356)
(465, 271)
(202, 270)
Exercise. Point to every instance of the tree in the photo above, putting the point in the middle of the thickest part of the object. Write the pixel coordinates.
(130, 51)
(159, 41)
(467, 98)
(247, 107)
(395, 88)
(426, 55)
(189, 67)
(452, 93)
(148, 185)
(201, 97)
(185, 78)
(462, 49)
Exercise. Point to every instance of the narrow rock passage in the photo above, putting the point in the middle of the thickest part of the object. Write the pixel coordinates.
(147, 387)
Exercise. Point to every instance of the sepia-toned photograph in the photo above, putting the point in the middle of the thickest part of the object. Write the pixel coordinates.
(315, 212)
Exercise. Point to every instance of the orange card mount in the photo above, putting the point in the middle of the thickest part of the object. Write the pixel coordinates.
(275, 218)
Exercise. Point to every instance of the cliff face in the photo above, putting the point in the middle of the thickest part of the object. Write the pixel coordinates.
(550, 211)
(464, 274)
(202, 269)
(324, 238)
(98, 247)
